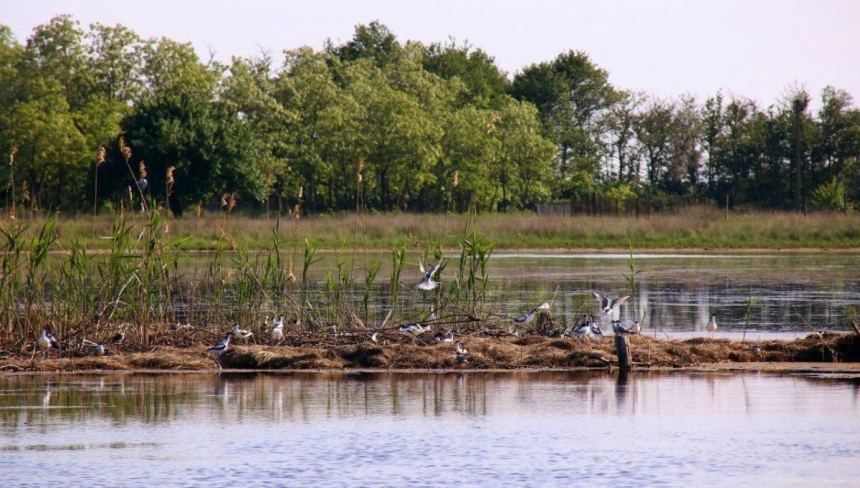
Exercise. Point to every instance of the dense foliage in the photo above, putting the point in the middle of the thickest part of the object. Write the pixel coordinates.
(381, 124)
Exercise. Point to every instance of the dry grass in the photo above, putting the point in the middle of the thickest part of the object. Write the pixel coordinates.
(484, 353)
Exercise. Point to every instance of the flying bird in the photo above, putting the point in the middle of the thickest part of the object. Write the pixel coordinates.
(607, 307)
(428, 283)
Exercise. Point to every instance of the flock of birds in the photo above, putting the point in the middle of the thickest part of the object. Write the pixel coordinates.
(586, 328)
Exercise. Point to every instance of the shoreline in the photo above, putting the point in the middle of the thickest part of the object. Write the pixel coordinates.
(828, 352)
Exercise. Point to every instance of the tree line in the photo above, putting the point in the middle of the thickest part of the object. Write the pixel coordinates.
(387, 125)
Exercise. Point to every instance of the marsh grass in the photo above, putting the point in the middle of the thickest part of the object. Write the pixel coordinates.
(691, 228)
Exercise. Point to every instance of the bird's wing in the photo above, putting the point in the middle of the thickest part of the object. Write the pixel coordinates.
(618, 301)
(435, 268)
(604, 302)
(421, 267)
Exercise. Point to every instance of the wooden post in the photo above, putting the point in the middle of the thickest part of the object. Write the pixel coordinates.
(622, 350)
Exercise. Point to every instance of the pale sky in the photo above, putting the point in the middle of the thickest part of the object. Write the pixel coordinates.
(665, 48)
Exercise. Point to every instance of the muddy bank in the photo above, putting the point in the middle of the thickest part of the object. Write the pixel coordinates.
(484, 353)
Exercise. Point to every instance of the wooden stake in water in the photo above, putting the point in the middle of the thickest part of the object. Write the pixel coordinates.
(622, 350)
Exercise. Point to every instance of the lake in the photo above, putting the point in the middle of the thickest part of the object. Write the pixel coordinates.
(431, 429)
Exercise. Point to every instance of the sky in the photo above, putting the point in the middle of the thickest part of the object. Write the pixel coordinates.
(758, 49)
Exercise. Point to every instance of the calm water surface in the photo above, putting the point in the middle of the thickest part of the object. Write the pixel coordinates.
(468, 429)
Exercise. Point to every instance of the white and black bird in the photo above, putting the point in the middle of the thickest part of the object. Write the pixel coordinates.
(595, 329)
(413, 330)
(460, 358)
(607, 306)
(47, 342)
(526, 318)
(118, 338)
(460, 349)
(375, 337)
(583, 330)
(619, 329)
(712, 325)
(428, 283)
(218, 349)
(637, 328)
(278, 329)
(449, 337)
(240, 333)
(144, 184)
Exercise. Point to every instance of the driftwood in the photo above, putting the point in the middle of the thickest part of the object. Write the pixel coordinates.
(622, 350)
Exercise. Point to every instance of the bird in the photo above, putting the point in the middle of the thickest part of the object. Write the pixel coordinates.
(118, 338)
(47, 342)
(375, 337)
(525, 319)
(582, 331)
(99, 350)
(278, 329)
(460, 349)
(608, 306)
(144, 184)
(754, 349)
(432, 316)
(595, 329)
(413, 330)
(241, 333)
(449, 337)
(712, 325)
(218, 349)
(636, 328)
(460, 358)
(618, 328)
(428, 283)
(543, 306)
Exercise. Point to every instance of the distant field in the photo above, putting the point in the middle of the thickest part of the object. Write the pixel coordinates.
(691, 228)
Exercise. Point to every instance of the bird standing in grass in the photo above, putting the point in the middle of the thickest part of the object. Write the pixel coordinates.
(218, 349)
(428, 283)
(712, 325)
(607, 306)
(413, 330)
(47, 342)
(595, 329)
(449, 337)
(460, 349)
(278, 329)
(241, 333)
(526, 318)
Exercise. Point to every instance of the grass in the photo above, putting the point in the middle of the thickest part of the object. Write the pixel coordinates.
(692, 228)
(533, 352)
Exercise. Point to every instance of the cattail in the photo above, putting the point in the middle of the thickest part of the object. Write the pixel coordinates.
(360, 167)
(12, 155)
(455, 180)
(100, 155)
(25, 192)
(232, 204)
(142, 167)
(124, 149)
(296, 214)
(301, 191)
(170, 170)
(224, 198)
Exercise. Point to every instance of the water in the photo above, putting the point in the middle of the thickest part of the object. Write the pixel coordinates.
(798, 293)
(443, 429)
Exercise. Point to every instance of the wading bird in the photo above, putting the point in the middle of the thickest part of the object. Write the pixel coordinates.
(241, 333)
(428, 283)
(460, 349)
(278, 329)
(449, 337)
(595, 329)
(413, 330)
(582, 330)
(218, 349)
(607, 306)
(526, 318)
(47, 342)
(712, 325)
